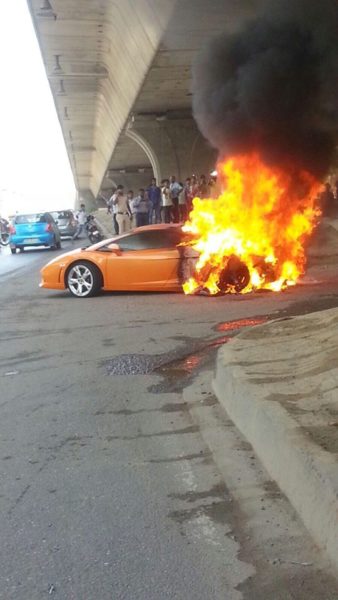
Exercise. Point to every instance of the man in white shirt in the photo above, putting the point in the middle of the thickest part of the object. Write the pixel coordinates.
(115, 208)
(81, 218)
(132, 208)
(167, 203)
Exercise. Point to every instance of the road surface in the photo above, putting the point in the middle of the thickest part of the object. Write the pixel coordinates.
(109, 489)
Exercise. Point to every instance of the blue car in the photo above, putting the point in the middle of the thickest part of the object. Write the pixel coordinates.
(38, 229)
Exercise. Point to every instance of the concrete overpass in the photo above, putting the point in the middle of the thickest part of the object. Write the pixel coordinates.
(120, 71)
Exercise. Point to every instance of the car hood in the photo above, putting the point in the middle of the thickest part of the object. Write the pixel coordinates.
(64, 257)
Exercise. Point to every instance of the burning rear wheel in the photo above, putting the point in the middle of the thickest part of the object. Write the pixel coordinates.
(241, 279)
(234, 277)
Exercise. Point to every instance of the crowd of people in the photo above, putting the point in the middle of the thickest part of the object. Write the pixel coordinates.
(169, 202)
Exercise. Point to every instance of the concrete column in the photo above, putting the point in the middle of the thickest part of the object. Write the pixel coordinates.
(148, 150)
(87, 198)
(173, 146)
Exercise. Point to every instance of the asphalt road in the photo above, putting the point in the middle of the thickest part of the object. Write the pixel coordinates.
(108, 488)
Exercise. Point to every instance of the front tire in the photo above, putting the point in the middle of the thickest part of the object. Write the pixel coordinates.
(83, 280)
(13, 250)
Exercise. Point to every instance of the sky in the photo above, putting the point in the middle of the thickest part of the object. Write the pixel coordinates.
(34, 169)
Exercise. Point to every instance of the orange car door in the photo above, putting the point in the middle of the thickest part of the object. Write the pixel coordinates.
(142, 269)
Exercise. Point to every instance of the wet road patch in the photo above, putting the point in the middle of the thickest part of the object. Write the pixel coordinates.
(142, 364)
(177, 367)
(241, 323)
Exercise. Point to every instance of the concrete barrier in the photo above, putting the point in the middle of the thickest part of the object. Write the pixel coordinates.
(279, 384)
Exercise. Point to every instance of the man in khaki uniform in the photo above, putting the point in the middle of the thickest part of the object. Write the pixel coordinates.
(122, 212)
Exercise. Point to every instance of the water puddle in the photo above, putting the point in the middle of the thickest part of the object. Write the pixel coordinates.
(177, 368)
(134, 364)
(178, 361)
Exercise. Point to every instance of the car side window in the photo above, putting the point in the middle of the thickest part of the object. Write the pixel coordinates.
(150, 240)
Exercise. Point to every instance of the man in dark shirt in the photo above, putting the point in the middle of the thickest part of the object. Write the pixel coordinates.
(154, 195)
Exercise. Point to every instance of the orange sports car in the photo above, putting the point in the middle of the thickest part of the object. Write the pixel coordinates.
(145, 259)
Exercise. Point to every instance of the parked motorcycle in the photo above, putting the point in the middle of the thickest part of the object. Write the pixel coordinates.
(4, 232)
(93, 231)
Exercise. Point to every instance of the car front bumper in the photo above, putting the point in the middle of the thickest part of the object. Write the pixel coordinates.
(52, 277)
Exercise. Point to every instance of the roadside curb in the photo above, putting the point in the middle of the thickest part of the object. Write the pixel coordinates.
(304, 471)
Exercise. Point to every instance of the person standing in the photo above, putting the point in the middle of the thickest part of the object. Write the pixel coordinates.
(182, 206)
(175, 190)
(203, 187)
(211, 186)
(142, 205)
(194, 187)
(122, 212)
(4, 231)
(167, 204)
(114, 208)
(81, 218)
(132, 208)
(154, 194)
(188, 195)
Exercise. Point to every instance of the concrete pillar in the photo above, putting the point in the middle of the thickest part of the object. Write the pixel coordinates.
(173, 146)
(87, 198)
(148, 150)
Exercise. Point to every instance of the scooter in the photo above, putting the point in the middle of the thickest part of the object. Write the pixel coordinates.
(4, 232)
(93, 231)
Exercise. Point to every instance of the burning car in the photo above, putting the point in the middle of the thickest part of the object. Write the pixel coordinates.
(253, 235)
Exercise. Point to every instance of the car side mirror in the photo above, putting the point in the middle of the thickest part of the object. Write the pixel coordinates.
(115, 248)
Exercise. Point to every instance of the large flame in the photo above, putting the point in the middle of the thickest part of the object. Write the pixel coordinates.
(263, 217)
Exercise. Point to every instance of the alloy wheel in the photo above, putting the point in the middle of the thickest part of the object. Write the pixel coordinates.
(80, 280)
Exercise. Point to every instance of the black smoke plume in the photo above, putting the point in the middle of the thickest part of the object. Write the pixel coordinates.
(273, 86)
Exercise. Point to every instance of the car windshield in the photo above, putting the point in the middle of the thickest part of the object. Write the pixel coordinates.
(34, 218)
(151, 240)
(148, 239)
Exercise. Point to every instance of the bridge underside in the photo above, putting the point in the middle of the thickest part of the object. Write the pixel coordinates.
(120, 74)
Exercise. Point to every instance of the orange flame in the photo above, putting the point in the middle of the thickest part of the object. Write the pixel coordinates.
(263, 217)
